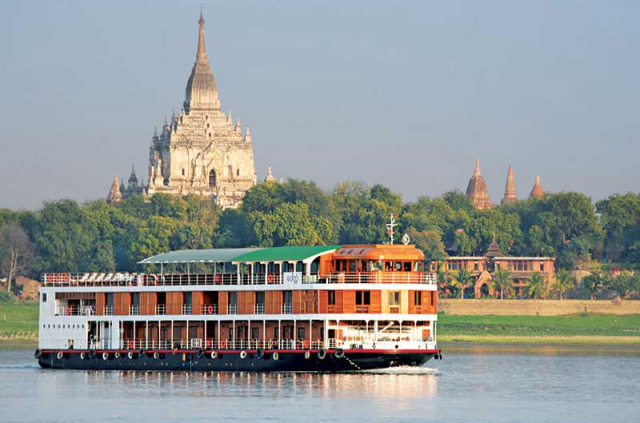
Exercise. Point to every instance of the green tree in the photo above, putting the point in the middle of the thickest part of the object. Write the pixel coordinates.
(594, 283)
(289, 224)
(462, 280)
(564, 283)
(429, 242)
(624, 284)
(536, 287)
(16, 252)
(503, 282)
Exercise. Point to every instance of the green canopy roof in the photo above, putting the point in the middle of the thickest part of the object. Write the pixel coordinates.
(285, 253)
(218, 255)
(226, 255)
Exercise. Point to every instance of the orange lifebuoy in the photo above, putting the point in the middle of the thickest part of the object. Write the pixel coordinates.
(223, 344)
(210, 309)
(67, 311)
(132, 344)
(305, 344)
(270, 278)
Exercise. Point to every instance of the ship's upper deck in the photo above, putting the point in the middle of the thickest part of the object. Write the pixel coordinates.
(263, 266)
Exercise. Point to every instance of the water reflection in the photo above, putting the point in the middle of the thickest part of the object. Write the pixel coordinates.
(408, 383)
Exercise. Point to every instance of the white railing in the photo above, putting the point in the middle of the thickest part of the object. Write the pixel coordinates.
(286, 308)
(134, 310)
(258, 308)
(108, 310)
(161, 309)
(232, 309)
(186, 309)
(143, 279)
(275, 344)
(383, 277)
(63, 310)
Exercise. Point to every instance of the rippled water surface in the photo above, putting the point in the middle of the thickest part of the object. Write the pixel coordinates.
(475, 384)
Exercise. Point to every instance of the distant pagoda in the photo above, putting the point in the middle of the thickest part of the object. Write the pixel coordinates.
(477, 190)
(510, 195)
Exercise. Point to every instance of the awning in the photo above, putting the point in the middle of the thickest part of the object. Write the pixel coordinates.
(218, 255)
(285, 254)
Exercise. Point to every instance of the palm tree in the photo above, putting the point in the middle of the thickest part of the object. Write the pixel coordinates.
(536, 287)
(502, 281)
(564, 282)
(462, 280)
(443, 276)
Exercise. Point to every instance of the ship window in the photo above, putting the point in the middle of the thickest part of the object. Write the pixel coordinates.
(394, 298)
(300, 333)
(183, 171)
(407, 266)
(332, 298)
(44, 326)
(433, 298)
(44, 295)
(417, 298)
(237, 172)
(363, 298)
(255, 333)
(541, 269)
(212, 178)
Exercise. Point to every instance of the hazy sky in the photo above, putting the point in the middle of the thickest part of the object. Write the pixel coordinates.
(406, 94)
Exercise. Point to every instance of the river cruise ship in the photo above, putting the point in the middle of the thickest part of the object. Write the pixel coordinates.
(322, 308)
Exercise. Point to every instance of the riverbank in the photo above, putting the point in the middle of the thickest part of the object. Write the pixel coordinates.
(531, 307)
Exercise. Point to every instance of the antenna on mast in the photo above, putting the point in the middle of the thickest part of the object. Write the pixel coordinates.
(390, 226)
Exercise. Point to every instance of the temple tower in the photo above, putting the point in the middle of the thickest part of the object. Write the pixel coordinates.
(115, 193)
(537, 191)
(202, 151)
(510, 195)
(477, 190)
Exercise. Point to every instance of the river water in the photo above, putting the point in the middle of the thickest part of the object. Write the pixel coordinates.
(476, 384)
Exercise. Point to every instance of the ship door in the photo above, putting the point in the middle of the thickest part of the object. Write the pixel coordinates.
(92, 334)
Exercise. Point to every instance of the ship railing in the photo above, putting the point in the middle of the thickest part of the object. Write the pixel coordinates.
(176, 279)
(258, 309)
(161, 309)
(210, 309)
(134, 310)
(108, 310)
(387, 343)
(383, 277)
(287, 308)
(92, 279)
(186, 309)
(63, 310)
(232, 309)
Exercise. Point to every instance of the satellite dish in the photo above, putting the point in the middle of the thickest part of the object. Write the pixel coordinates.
(405, 239)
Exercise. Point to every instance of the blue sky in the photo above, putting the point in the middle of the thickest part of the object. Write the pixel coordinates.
(406, 94)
